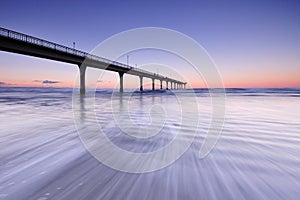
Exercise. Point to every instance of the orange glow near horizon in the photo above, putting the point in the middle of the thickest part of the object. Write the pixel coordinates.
(111, 80)
(64, 75)
(245, 84)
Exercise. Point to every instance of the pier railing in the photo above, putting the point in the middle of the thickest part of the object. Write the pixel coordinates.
(44, 43)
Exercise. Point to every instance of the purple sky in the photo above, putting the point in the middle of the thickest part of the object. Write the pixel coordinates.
(253, 43)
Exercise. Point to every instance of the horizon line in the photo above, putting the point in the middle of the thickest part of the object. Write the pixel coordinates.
(275, 87)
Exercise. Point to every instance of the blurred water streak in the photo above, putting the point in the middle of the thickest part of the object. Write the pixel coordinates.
(257, 156)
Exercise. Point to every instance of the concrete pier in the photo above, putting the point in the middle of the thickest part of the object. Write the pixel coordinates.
(141, 84)
(121, 74)
(82, 70)
(15, 42)
(153, 84)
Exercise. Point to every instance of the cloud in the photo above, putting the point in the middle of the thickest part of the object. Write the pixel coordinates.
(38, 81)
(50, 82)
(2, 83)
(102, 81)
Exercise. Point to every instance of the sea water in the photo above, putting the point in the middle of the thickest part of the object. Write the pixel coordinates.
(43, 156)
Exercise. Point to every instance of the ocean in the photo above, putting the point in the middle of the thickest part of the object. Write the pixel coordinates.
(48, 135)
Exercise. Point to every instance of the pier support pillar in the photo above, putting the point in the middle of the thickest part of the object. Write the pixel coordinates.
(167, 83)
(172, 85)
(141, 84)
(161, 84)
(184, 85)
(153, 86)
(121, 81)
(82, 69)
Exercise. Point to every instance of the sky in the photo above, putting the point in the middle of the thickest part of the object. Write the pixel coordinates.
(252, 43)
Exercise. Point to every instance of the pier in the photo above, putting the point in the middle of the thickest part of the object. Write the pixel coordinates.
(15, 42)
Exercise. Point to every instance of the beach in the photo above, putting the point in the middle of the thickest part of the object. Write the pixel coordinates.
(256, 157)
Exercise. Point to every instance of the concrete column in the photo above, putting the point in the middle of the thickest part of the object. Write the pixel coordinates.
(171, 85)
(153, 86)
(184, 85)
(161, 84)
(121, 81)
(141, 83)
(167, 83)
(82, 70)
